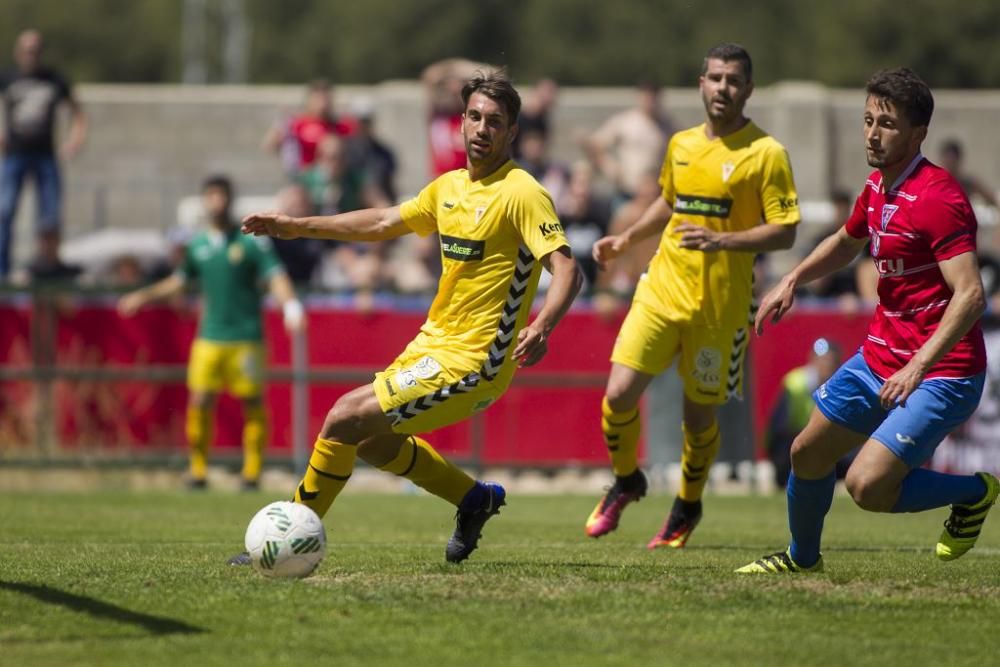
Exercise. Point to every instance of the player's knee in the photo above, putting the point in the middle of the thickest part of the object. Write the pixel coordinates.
(618, 401)
(805, 458)
(868, 491)
(344, 421)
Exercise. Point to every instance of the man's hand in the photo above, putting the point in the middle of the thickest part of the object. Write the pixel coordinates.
(532, 344)
(271, 223)
(70, 150)
(294, 316)
(777, 301)
(129, 304)
(608, 248)
(902, 384)
(695, 237)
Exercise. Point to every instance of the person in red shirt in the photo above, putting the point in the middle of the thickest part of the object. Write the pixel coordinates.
(296, 138)
(443, 81)
(920, 372)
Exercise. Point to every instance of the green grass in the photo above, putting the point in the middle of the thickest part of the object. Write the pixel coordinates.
(125, 579)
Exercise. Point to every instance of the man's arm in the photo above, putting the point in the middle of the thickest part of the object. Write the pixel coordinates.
(532, 341)
(78, 126)
(597, 148)
(762, 238)
(370, 224)
(834, 252)
(968, 301)
(130, 303)
(284, 293)
(652, 221)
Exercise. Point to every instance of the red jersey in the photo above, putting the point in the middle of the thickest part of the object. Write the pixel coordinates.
(447, 145)
(922, 219)
(307, 131)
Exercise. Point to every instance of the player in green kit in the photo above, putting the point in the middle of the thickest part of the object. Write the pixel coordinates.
(228, 352)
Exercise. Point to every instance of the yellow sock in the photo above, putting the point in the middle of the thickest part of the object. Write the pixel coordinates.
(699, 452)
(254, 437)
(418, 462)
(198, 428)
(330, 466)
(621, 435)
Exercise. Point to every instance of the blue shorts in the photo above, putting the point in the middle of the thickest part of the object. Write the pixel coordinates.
(911, 432)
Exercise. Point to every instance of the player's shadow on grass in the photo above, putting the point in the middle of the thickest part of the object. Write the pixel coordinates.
(156, 625)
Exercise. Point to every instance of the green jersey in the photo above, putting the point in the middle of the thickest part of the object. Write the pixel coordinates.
(231, 268)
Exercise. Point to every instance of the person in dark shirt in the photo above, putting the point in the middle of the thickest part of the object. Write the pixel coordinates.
(31, 93)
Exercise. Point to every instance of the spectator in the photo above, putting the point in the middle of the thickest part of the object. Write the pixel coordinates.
(631, 143)
(335, 185)
(443, 81)
(296, 138)
(370, 154)
(535, 114)
(615, 284)
(795, 404)
(413, 265)
(585, 216)
(31, 93)
(842, 284)
(48, 269)
(535, 160)
(300, 256)
(176, 239)
(951, 159)
(126, 272)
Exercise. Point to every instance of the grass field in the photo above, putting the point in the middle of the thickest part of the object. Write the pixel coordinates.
(124, 579)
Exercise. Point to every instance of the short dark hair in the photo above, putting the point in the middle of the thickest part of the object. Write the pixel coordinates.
(906, 91)
(219, 181)
(727, 52)
(495, 85)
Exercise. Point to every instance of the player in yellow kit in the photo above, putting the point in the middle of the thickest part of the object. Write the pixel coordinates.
(497, 227)
(728, 194)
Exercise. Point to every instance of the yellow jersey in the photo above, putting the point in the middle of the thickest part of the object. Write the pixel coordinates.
(727, 184)
(492, 232)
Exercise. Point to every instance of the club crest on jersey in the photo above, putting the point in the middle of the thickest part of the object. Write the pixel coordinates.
(480, 211)
(888, 210)
(235, 253)
(727, 170)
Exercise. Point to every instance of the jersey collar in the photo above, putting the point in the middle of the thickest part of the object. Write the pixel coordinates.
(906, 173)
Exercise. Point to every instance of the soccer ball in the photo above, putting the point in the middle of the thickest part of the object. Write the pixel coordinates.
(285, 540)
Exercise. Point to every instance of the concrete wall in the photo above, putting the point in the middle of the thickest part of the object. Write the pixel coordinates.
(151, 145)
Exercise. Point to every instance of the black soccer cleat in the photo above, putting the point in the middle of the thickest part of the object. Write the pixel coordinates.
(469, 523)
(683, 519)
(249, 485)
(195, 483)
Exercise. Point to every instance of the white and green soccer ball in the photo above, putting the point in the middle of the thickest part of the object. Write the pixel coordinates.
(286, 540)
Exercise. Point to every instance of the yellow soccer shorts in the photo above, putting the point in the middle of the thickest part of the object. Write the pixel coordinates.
(711, 358)
(236, 367)
(426, 389)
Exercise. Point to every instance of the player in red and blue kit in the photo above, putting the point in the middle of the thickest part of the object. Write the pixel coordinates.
(920, 372)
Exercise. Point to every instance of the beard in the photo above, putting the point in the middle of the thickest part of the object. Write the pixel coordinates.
(876, 161)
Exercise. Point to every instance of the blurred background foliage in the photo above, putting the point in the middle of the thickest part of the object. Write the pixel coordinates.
(579, 42)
